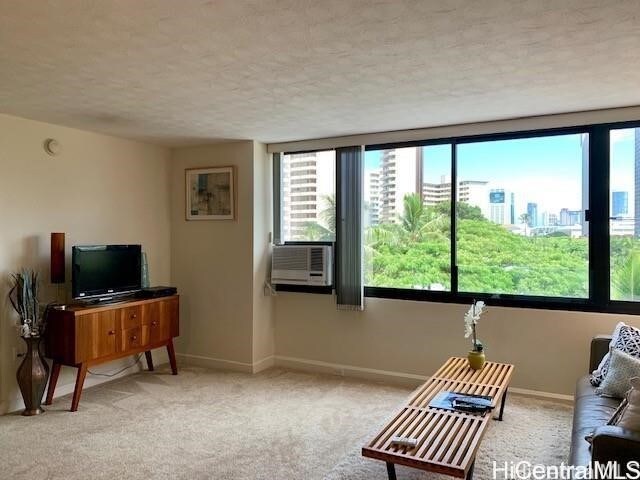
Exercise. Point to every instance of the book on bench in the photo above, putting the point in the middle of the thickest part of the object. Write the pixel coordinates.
(462, 402)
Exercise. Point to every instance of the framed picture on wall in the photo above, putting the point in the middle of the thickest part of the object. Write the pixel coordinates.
(210, 193)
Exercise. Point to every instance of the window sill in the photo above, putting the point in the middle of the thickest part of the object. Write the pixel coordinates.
(512, 301)
(304, 289)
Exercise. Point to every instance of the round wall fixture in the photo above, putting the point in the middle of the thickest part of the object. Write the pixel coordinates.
(52, 146)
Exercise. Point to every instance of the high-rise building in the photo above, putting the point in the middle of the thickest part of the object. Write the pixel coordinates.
(372, 197)
(570, 217)
(308, 180)
(576, 217)
(473, 192)
(434, 193)
(532, 213)
(619, 204)
(512, 209)
(501, 209)
(400, 175)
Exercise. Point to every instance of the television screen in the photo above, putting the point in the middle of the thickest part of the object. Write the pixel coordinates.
(100, 270)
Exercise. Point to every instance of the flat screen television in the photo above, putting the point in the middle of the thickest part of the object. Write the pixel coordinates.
(105, 270)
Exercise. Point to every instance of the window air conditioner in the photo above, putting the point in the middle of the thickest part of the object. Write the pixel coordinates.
(302, 265)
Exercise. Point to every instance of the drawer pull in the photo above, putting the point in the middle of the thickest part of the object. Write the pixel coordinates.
(153, 324)
(112, 332)
(134, 338)
(133, 315)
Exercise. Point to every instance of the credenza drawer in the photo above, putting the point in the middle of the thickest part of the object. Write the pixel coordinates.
(130, 317)
(134, 337)
(150, 313)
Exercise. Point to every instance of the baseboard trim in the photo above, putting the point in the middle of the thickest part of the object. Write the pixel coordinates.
(544, 395)
(264, 364)
(407, 379)
(318, 366)
(216, 363)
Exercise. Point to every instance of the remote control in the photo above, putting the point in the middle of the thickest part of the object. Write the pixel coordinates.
(404, 442)
(475, 401)
(469, 407)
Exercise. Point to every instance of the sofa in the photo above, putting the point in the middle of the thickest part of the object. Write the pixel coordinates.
(590, 416)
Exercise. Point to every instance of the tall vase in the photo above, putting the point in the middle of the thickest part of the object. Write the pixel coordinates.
(32, 377)
(145, 271)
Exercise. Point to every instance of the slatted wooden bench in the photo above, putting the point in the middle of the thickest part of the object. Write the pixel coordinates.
(447, 440)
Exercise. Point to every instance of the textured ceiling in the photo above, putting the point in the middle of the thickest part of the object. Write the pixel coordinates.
(184, 71)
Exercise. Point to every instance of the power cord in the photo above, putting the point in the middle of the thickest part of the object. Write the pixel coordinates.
(109, 375)
(268, 286)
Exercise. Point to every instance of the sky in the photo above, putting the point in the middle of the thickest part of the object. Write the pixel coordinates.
(544, 170)
(622, 164)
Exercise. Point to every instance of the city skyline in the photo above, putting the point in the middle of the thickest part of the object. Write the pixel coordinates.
(488, 161)
(536, 157)
(547, 199)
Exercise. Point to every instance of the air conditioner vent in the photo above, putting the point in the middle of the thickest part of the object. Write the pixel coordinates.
(293, 258)
(316, 259)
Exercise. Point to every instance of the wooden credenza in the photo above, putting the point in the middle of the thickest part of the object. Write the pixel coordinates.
(84, 336)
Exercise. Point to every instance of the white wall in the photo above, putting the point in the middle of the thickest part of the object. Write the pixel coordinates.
(211, 260)
(219, 267)
(550, 349)
(263, 322)
(100, 189)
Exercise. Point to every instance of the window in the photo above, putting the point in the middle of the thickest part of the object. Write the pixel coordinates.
(407, 200)
(308, 217)
(521, 226)
(624, 207)
(532, 216)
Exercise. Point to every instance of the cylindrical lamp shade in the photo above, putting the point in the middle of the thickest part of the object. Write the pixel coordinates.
(57, 258)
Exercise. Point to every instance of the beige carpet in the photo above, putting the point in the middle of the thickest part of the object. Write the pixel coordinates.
(207, 424)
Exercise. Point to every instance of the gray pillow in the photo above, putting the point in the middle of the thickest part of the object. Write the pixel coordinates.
(622, 368)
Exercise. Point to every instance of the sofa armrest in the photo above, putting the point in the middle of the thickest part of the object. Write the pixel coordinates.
(599, 348)
(615, 444)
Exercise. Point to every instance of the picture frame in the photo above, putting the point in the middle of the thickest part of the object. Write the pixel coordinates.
(210, 193)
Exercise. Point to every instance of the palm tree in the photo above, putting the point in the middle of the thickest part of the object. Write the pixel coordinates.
(315, 232)
(328, 213)
(625, 281)
(325, 231)
(412, 218)
(417, 220)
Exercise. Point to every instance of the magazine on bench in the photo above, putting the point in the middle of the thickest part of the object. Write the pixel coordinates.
(462, 402)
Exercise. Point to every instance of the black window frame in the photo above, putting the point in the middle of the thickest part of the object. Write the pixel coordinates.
(597, 214)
